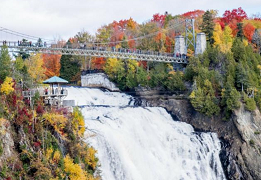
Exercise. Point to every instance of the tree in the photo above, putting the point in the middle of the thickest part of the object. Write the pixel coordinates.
(159, 19)
(78, 124)
(249, 31)
(241, 76)
(207, 26)
(240, 33)
(142, 76)
(51, 64)
(5, 63)
(204, 100)
(256, 39)
(232, 98)
(238, 50)
(237, 14)
(35, 68)
(217, 35)
(116, 71)
(98, 63)
(69, 67)
(227, 39)
(84, 37)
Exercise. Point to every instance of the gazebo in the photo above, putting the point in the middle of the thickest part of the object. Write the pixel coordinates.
(53, 95)
(55, 81)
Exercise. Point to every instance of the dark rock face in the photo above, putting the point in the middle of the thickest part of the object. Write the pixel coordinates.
(241, 143)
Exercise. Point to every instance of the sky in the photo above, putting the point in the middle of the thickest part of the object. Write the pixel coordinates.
(61, 19)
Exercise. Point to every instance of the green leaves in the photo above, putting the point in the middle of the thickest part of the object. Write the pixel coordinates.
(5, 63)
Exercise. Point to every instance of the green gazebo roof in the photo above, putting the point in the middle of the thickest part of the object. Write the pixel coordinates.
(55, 80)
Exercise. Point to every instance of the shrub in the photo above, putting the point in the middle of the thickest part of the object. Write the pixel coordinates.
(252, 142)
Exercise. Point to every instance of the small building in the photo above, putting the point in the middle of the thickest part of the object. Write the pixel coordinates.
(52, 95)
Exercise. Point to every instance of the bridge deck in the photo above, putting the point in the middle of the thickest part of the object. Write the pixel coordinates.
(13, 46)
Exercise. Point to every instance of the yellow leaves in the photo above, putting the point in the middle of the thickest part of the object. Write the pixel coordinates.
(113, 66)
(56, 156)
(132, 66)
(74, 170)
(217, 34)
(245, 42)
(49, 153)
(7, 86)
(192, 95)
(90, 158)
(58, 121)
(223, 39)
(172, 72)
(227, 39)
(78, 122)
(35, 67)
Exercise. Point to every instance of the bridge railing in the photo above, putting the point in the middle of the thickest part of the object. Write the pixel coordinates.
(45, 92)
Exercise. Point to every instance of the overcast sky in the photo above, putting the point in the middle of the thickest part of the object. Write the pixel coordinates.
(64, 18)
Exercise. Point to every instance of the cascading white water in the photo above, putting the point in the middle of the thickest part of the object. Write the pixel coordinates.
(136, 143)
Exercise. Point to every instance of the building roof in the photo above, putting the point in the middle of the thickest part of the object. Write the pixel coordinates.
(55, 80)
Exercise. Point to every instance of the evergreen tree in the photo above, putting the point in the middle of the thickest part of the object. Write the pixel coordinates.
(5, 63)
(240, 33)
(207, 26)
(241, 77)
(69, 67)
(238, 50)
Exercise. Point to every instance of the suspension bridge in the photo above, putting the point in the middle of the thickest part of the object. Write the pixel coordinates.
(179, 55)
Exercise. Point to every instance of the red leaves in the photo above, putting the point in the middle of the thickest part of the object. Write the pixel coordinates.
(249, 30)
(159, 19)
(237, 14)
(193, 14)
(40, 109)
(23, 116)
(37, 144)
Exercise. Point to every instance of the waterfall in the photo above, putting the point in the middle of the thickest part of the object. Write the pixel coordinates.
(137, 143)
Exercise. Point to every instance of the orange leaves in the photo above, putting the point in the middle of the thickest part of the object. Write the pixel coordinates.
(131, 24)
(51, 64)
(168, 44)
(249, 31)
(158, 37)
(98, 63)
(131, 42)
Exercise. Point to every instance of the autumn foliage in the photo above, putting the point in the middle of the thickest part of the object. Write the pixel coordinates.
(51, 64)
(98, 63)
(249, 30)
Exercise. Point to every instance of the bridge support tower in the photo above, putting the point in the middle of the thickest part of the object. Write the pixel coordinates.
(180, 47)
(201, 44)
